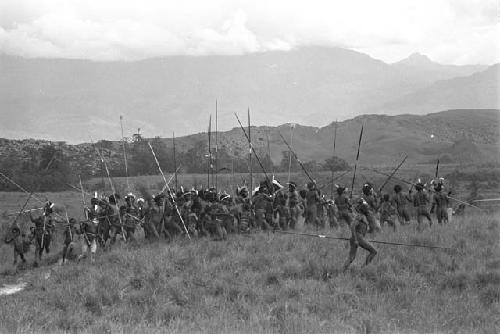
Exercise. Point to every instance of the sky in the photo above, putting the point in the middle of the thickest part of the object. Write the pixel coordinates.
(448, 31)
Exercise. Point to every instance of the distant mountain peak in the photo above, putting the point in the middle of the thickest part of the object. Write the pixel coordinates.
(416, 59)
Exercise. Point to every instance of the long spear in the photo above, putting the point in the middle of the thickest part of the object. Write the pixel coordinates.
(112, 188)
(356, 163)
(85, 212)
(175, 162)
(209, 169)
(334, 179)
(323, 236)
(269, 152)
(412, 184)
(249, 151)
(269, 182)
(392, 174)
(22, 209)
(334, 146)
(437, 169)
(169, 190)
(124, 153)
(216, 146)
(296, 157)
(27, 192)
(292, 126)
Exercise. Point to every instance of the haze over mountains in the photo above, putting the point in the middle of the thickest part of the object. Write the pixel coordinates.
(73, 100)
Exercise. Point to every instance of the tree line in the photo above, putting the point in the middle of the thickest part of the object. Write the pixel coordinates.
(49, 168)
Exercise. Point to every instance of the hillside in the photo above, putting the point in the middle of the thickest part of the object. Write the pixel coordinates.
(454, 136)
(73, 100)
(480, 89)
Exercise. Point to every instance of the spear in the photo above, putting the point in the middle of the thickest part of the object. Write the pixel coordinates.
(175, 162)
(412, 184)
(249, 151)
(169, 190)
(209, 150)
(296, 158)
(112, 187)
(255, 153)
(334, 146)
(356, 163)
(269, 152)
(334, 179)
(85, 213)
(392, 174)
(124, 152)
(27, 192)
(23, 207)
(292, 126)
(216, 146)
(437, 169)
(323, 236)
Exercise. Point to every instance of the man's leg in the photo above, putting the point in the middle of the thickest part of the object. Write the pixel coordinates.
(366, 245)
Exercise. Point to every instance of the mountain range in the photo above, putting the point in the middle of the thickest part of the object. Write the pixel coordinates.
(75, 100)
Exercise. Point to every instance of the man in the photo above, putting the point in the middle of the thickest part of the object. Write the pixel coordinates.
(89, 231)
(440, 204)
(344, 207)
(388, 212)
(293, 204)
(281, 211)
(401, 200)
(359, 228)
(420, 201)
(332, 214)
(371, 200)
(115, 214)
(261, 201)
(69, 234)
(312, 200)
(21, 245)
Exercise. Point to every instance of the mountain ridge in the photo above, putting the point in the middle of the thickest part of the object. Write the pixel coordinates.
(73, 100)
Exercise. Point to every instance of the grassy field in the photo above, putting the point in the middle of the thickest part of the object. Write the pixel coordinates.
(265, 283)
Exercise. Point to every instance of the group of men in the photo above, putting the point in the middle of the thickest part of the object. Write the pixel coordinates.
(198, 213)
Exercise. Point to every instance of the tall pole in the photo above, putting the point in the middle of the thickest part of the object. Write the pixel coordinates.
(216, 146)
(356, 163)
(209, 168)
(250, 153)
(175, 162)
(124, 153)
(269, 153)
(292, 126)
(334, 146)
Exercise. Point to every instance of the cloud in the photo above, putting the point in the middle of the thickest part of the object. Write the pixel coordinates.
(449, 31)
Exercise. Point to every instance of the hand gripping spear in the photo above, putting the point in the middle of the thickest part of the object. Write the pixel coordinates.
(356, 163)
(169, 190)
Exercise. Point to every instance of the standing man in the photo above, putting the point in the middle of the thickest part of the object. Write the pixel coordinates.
(401, 200)
(420, 201)
(293, 204)
(359, 228)
(344, 207)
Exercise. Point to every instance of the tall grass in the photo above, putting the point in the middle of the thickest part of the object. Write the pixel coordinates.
(269, 282)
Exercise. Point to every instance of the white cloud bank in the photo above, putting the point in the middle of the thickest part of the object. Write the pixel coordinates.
(449, 31)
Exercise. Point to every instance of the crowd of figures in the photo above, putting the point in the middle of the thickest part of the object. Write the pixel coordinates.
(209, 213)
